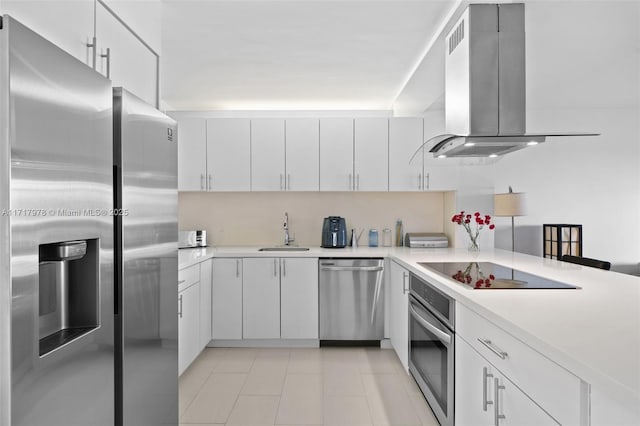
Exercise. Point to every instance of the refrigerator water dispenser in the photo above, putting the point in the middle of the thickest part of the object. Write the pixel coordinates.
(67, 292)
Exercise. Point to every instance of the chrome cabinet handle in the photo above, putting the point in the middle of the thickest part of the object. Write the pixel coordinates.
(405, 288)
(493, 348)
(427, 176)
(485, 376)
(281, 182)
(108, 57)
(275, 265)
(92, 45)
(237, 268)
(210, 183)
(289, 182)
(358, 182)
(419, 180)
(181, 281)
(284, 268)
(202, 181)
(180, 306)
(497, 416)
(350, 182)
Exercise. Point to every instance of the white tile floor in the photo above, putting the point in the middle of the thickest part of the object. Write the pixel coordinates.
(327, 386)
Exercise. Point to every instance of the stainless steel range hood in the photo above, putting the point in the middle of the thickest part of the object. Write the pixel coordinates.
(485, 85)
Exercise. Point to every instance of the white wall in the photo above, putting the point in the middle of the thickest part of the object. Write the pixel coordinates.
(583, 75)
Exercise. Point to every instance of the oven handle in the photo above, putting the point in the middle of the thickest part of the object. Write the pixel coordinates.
(442, 336)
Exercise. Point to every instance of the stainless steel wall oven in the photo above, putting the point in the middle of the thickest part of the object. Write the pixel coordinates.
(431, 346)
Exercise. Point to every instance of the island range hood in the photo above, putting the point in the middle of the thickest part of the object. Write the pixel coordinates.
(485, 85)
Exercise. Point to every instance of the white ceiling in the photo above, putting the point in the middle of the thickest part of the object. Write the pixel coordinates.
(295, 54)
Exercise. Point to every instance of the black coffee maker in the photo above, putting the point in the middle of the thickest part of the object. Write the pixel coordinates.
(334, 232)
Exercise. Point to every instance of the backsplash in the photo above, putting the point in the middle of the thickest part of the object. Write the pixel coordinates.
(256, 218)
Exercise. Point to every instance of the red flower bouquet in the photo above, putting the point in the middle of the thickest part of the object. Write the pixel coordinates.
(473, 224)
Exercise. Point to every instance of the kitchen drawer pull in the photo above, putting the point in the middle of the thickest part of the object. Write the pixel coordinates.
(289, 182)
(180, 306)
(210, 184)
(202, 181)
(237, 268)
(497, 416)
(405, 288)
(499, 352)
(284, 268)
(280, 181)
(181, 281)
(353, 268)
(427, 176)
(275, 265)
(485, 376)
(358, 182)
(419, 180)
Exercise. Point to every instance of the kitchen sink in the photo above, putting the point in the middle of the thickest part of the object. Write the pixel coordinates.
(284, 249)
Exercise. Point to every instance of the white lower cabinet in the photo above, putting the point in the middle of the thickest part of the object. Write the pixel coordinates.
(206, 270)
(520, 383)
(227, 299)
(399, 313)
(261, 298)
(188, 326)
(265, 298)
(486, 397)
(298, 298)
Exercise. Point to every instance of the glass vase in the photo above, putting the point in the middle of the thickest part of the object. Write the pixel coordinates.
(473, 244)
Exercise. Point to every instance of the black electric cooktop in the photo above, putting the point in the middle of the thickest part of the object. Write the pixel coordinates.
(487, 276)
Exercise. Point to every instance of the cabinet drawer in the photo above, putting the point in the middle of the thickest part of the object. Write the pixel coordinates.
(188, 277)
(552, 387)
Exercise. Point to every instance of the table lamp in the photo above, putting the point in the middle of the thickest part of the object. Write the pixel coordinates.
(510, 204)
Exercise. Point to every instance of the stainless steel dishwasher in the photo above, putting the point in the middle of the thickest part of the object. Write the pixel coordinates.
(351, 300)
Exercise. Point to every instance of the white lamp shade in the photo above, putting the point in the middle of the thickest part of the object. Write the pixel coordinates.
(509, 204)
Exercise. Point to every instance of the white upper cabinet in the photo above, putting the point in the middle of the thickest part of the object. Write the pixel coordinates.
(371, 154)
(192, 154)
(229, 154)
(405, 137)
(67, 24)
(123, 58)
(336, 154)
(267, 154)
(302, 154)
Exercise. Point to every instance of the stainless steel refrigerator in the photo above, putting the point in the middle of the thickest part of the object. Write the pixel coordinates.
(146, 262)
(57, 235)
(88, 326)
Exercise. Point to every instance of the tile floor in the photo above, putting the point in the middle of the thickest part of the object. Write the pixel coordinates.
(327, 386)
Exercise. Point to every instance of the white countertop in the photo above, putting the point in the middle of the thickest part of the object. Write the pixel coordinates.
(593, 332)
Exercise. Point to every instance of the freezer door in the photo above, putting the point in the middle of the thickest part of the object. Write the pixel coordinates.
(58, 128)
(146, 162)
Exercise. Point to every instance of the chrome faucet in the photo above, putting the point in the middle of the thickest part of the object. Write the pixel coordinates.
(287, 238)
